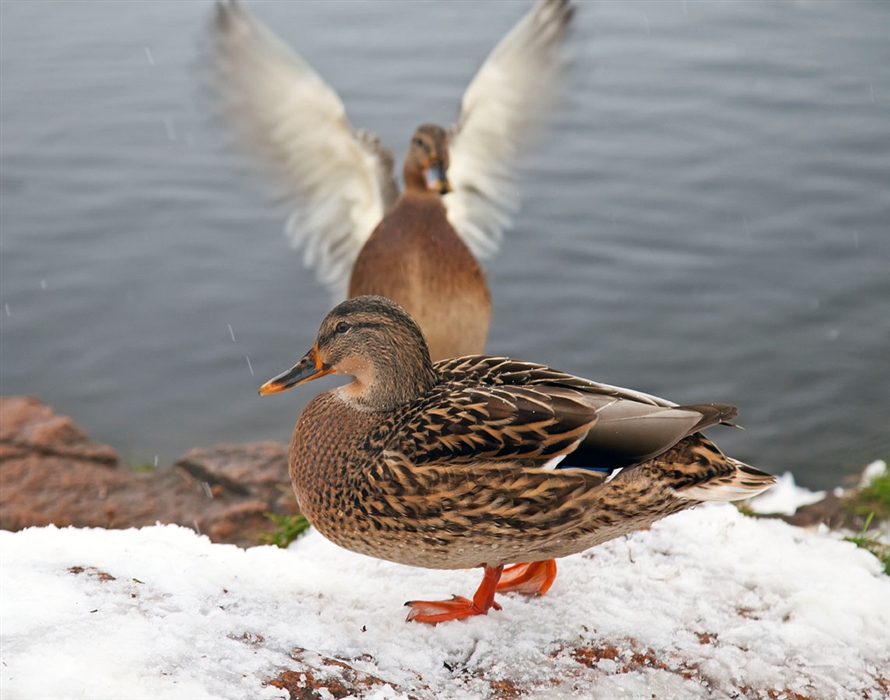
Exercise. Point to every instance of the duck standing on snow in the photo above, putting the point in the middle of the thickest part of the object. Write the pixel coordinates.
(418, 248)
(456, 464)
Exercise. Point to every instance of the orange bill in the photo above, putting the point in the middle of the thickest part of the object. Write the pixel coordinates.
(309, 368)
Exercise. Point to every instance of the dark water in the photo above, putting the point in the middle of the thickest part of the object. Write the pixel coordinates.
(708, 221)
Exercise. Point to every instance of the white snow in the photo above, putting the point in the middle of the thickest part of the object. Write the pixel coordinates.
(706, 604)
(873, 471)
(785, 497)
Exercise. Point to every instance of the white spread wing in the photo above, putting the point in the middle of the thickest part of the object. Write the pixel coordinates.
(339, 180)
(500, 112)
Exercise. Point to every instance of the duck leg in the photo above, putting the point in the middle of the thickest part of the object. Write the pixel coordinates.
(529, 578)
(458, 608)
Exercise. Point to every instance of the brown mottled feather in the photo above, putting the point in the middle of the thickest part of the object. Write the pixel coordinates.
(446, 465)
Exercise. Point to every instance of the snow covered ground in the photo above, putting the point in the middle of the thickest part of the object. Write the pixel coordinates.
(706, 604)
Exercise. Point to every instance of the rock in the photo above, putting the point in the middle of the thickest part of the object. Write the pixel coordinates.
(28, 426)
(54, 473)
(830, 510)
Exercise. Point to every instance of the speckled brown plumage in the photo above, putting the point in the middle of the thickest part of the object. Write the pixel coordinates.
(449, 465)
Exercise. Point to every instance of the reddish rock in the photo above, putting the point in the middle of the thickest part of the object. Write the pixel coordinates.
(28, 426)
(52, 472)
(830, 510)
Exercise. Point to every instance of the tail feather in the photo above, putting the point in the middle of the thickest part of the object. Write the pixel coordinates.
(744, 481)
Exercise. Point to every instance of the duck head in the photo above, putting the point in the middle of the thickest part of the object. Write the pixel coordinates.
(426, 163)
(378, 343)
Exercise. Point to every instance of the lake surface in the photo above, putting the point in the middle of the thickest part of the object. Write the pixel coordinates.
(708, 220)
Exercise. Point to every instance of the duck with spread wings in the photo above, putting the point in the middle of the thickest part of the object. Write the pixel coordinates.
(421, 247)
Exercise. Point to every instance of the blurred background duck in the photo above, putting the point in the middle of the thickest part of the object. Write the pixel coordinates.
(473, 462)
(360, 235)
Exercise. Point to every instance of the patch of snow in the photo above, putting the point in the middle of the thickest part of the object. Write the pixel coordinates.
(705, 604)
(873, 471)
(785, 497)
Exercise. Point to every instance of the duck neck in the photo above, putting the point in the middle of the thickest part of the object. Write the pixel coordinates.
(390, 382)
(414, 177)
(400, 384)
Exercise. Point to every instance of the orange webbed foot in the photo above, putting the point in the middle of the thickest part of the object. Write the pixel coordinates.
(528, 578)
(433, 611)
(458, 608)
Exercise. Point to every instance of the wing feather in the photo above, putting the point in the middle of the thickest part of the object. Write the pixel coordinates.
(468, 423)
(501, 111)
(630, 426)
(340, 180)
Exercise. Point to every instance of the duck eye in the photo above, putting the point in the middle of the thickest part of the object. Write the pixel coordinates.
(342, 327)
